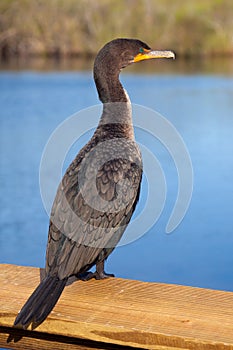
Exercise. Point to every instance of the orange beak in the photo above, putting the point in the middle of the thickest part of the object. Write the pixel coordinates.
(149, 54)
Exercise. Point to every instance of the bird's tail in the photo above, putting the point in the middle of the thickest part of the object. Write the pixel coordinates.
(40, 303)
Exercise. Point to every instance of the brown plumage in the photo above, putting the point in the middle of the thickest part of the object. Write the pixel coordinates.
(99, 191)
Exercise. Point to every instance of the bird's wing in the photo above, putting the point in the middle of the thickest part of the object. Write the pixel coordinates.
(90, 213)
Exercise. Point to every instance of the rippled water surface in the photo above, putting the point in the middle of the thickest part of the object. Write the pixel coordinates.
(199, 105)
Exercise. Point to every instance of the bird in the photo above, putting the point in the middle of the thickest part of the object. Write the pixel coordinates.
(100, 189)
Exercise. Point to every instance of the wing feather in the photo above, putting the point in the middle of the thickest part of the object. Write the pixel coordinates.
(90, 215)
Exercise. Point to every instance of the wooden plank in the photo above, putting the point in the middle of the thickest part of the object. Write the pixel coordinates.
(116, 312)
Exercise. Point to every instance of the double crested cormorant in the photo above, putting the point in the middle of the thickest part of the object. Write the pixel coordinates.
(99, 191)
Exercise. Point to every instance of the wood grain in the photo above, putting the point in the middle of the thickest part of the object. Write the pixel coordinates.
(117, 313)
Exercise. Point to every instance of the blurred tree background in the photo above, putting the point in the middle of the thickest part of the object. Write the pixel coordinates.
(80, 27)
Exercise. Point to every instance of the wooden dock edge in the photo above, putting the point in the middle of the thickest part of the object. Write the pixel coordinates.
(117, 314)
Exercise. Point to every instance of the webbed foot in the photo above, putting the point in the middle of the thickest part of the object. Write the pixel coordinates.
(99, 274)
(96, 275)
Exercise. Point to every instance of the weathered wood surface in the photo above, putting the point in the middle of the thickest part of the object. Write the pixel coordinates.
(117, 313)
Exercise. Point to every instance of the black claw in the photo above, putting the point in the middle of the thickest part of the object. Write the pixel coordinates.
(102, 275)
(98, 276)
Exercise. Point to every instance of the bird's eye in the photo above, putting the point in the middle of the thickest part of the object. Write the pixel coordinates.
(141, 50)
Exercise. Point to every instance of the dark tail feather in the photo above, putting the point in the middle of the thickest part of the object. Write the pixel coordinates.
(40, 303)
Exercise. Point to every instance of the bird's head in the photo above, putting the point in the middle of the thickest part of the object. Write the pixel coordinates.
(120, 53)
(114, 56)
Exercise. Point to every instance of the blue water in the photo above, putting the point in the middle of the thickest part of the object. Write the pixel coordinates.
(199, 251)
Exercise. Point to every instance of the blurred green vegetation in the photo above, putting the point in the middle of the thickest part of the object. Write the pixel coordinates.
(81, 27)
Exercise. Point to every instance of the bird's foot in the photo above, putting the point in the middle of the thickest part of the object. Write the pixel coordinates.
(102, 275)
(97, 275)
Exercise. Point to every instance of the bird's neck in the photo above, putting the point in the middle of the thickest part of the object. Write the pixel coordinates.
(108, 85)
(116, 119)
(117, 111)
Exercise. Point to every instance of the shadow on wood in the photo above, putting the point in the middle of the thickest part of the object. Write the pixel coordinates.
(117, 314)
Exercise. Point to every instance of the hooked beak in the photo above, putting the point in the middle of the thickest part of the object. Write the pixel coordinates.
(149, 54)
